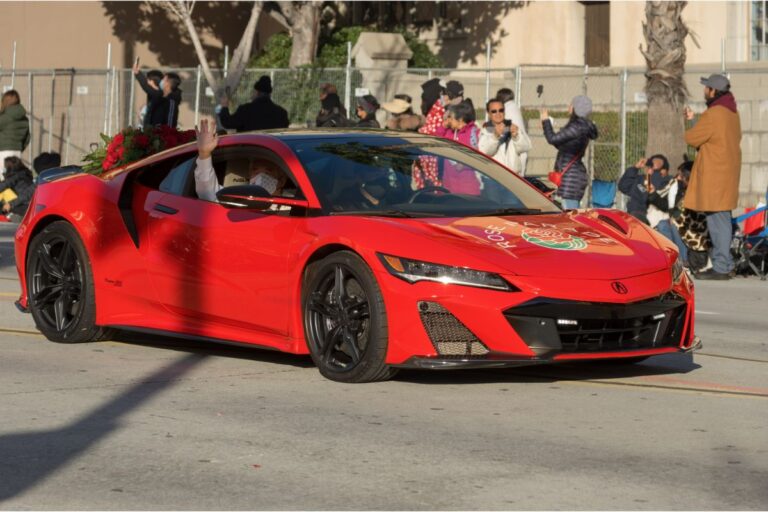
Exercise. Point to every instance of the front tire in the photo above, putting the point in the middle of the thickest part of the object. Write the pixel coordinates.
(60, 286)
(345, 322)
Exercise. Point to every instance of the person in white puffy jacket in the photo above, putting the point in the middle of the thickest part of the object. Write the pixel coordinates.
(503, 140)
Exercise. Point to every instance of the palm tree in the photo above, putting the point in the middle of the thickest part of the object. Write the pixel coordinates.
(665, 88)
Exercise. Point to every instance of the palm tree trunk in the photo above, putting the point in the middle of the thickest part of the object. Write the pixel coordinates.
(665, 55)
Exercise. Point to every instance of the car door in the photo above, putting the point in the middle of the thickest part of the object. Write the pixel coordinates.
(219, 267)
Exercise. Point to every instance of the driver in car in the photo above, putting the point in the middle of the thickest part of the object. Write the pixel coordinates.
(262, 172)
(370, 192)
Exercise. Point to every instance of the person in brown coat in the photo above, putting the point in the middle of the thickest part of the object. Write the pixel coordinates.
(714, 184)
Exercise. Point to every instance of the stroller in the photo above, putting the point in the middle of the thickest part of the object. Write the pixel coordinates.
(750, 245)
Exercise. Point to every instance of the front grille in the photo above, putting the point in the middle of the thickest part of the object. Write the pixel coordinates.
(449, 336)
(621, 334)
(549, 326)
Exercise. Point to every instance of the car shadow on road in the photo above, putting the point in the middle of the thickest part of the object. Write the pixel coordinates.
(668, 364)
(28, 458)
(212, 348)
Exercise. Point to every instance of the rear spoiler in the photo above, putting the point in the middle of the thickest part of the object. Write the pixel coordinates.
(56, 173)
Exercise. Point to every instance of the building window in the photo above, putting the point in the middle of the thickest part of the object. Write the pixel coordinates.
(759, 27)
(597, 32)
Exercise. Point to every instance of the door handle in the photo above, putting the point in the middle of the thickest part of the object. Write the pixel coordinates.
(165, 209)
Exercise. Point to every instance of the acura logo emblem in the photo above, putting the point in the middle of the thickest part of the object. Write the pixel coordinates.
(619, 288)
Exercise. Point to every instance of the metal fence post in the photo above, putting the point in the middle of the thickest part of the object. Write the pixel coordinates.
(586, 77)
(623, 162)
(348, 78)
(131, 99)
(722, 54)
(519, 84)
(68, 135)
(106, 88)
(197, 94)
(487, 73)
(53, 110)
(118, 97)
(13, 66)
(110, 101)
(226, 60)
(31, 107)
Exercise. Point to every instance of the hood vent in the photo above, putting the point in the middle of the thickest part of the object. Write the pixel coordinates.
(612, 222)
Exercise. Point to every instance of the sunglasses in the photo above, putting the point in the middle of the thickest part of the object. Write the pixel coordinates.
(499, 111)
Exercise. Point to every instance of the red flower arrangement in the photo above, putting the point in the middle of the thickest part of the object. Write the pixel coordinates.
(133, 144)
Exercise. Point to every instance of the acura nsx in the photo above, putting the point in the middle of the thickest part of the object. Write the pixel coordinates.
(368, 250)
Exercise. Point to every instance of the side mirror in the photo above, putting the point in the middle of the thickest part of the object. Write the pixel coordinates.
(254, 197)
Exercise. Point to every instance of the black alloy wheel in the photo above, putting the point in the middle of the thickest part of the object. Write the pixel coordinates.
(60, 286)
(344, 320)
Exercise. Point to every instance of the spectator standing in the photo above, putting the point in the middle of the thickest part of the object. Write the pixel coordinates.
(154, 77)
(14, 127)
(503, 139)
(571, 143)
(21, 185)
(452, 93)
(459, 125)
(45, 161)
(332, 113)
(327, 89)
(432, 106)
(163, 101)
(403, 118)
(714, 184)
(513, 113)
(366, 110)
(260, 114)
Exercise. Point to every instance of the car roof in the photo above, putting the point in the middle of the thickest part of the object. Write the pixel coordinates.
(328, 133)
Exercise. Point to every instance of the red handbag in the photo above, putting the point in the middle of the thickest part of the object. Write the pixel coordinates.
(556, 176)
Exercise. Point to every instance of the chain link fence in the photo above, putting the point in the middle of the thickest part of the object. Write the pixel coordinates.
(69, 108)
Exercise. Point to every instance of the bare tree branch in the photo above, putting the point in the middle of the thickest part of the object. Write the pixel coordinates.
(182, 9)
(243, 51)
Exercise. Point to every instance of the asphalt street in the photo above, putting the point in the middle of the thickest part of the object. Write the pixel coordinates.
(150, 423)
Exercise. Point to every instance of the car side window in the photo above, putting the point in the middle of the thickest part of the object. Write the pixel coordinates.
(178, 181)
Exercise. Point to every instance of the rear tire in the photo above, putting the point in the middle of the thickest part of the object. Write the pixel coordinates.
(60, 288)
(345, 322)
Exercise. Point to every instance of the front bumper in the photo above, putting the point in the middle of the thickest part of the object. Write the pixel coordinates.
(506, 361)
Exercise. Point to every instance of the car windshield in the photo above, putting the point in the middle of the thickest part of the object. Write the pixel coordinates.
(411, 176)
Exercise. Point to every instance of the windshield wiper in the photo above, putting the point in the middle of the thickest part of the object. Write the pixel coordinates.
(375, 213)
(511, 211)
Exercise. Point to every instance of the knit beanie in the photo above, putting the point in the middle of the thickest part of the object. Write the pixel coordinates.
(582, 106)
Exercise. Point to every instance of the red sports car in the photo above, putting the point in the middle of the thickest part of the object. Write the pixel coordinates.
(369, 250)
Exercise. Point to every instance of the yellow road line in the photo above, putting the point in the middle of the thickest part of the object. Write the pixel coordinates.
(564, 380)
(10, 294)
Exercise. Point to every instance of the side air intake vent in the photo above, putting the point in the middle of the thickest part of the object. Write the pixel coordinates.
(612, 222)
(448, 335)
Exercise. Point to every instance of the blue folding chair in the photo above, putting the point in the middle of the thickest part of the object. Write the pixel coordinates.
(750, 251)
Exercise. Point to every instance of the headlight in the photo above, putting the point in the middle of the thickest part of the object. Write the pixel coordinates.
(677, 271)
(413, 271)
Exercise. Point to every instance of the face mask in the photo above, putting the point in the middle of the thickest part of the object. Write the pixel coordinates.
(162, 84)
(265, 181)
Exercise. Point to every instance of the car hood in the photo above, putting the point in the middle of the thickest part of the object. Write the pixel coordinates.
(576, 245)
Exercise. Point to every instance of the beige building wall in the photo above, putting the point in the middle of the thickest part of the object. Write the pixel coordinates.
(545, 32)
(70, 34)
(710, 21)
(538, 32)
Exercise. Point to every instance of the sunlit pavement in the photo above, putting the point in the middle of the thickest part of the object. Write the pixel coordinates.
(150, 423)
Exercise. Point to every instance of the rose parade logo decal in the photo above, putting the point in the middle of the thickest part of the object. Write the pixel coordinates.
(553, 239)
